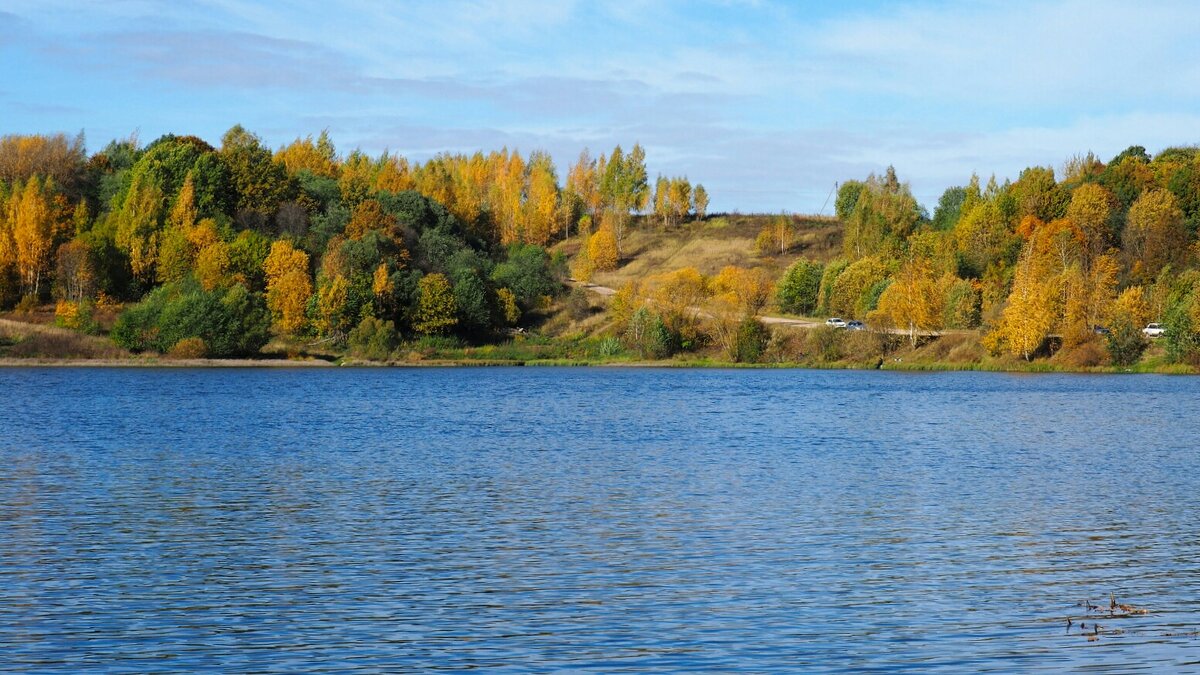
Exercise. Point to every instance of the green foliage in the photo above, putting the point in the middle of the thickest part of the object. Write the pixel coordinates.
(750, 341)
(828, 278)
(1180, 336)
(962, 305)
(847, 198)
(649, 336)
(949, 208)
(798, 291)
(527, 273)
(1125, 344)
(373, 339)
(231, 322)
(475, 310)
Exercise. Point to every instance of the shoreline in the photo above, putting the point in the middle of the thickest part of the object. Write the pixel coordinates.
(930, 367)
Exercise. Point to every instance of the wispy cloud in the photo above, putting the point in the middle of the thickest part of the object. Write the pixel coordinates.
(766, 102)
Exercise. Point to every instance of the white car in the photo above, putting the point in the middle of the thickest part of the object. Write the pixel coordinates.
(1153, 330)
(835, 322)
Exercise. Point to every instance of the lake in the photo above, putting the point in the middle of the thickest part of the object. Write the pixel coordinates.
(350, 520)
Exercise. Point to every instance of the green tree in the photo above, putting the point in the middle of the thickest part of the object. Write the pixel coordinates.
(798, 289)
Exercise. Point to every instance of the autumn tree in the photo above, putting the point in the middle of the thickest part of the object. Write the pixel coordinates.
(27, 239)
(436, 308)
(602, 250)
(749, 288)
(318, 158)
(1030, 312)
(1091, 209)
(75, 272)
(1155, 235)
(776, 234)
(700, 201)
(289, 286)
(677, 296)
(913, 300)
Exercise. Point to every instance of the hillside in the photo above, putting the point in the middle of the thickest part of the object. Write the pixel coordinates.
(711, 244)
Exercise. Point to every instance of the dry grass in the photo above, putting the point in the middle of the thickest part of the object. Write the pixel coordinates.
(39, 341)
(709, 245)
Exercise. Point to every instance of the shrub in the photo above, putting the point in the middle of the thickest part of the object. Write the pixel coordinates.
(78, 316)
(27, 305)
(231, 322)
(609, 346)
(1126, 344)
(579, 306)
(373, 339)
(751, 340)
(189, 348)
(649, 336)
(825, 343)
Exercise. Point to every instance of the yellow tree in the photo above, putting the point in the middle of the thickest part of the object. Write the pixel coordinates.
(602, 250)
(914, 300)
(1091, 210)
(1155, 234)
(318, 158)
(750, 289)
(436, 306)
(288, 286)
(700, 201)
(1030, 311)
(677, 296)
(541, 202)
(394, 174)
(138, 226)
(212, 265)
(31, 233)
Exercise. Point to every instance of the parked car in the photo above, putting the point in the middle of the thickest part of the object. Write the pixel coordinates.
(855, 325)
(835, 322)
(1153, 330)
(1101, 330)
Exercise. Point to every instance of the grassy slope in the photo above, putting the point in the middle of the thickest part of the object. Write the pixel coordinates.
(711, 244)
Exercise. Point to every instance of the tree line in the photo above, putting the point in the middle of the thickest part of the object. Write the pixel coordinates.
(216, 249)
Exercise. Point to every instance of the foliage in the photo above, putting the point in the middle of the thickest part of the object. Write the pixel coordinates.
(751, 341)
(602, 250)
(373, 339)
(231, 322)
(437, 308)
(798, 290)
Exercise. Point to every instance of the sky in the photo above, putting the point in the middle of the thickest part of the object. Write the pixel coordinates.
(768, 104)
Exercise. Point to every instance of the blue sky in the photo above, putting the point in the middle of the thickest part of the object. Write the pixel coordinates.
(766, 103)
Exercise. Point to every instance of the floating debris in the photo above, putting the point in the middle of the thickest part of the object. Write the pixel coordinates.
(1115, 610)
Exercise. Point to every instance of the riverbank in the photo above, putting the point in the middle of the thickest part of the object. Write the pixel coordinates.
(900, 366)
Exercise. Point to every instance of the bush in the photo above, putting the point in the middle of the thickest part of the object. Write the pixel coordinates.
(649, 336)
(232, 322)
(76, 316)
(750, 341)
(825, 343)
(528, 273)
(373, 339)
(579, 306)
(1126, 344)
(189, 348)
(27, 305)
(609, 346)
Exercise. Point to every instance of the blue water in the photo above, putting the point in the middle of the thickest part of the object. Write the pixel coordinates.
(549, 519)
